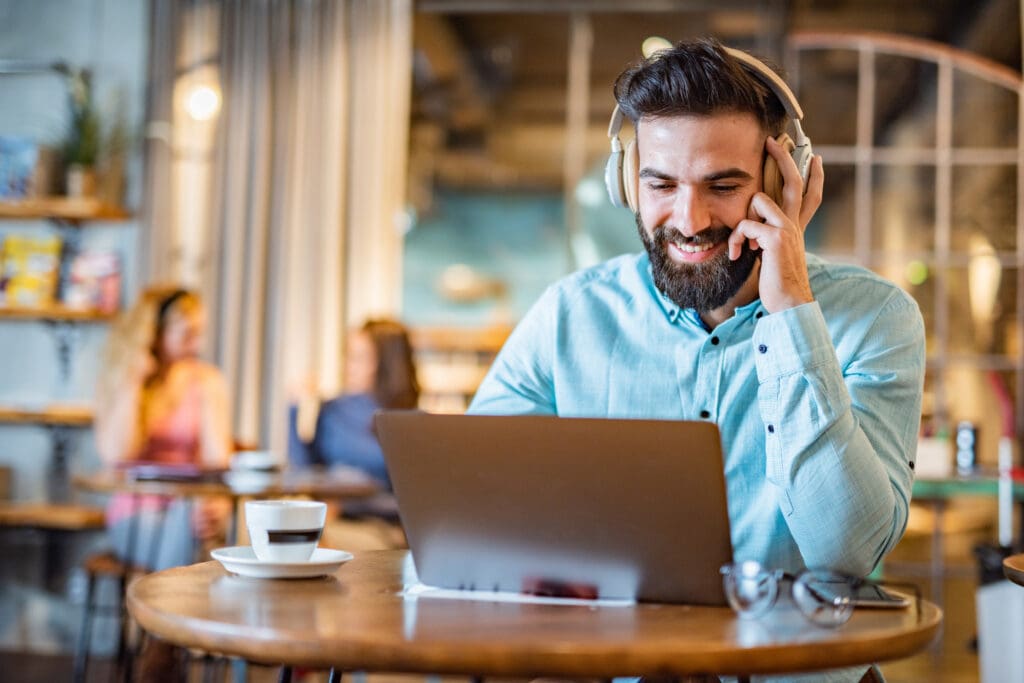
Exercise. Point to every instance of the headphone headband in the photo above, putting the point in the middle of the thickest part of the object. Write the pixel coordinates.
(165, 305)
(766, 75)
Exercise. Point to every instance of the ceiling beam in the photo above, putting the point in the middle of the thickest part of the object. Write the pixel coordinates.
(450, 71)
(563, 6)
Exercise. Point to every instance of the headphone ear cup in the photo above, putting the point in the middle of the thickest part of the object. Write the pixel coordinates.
(630, 181)
(771, 174)
(613, 179)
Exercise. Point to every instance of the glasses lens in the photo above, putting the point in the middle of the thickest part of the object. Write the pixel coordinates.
(750, 590)
(824, 597)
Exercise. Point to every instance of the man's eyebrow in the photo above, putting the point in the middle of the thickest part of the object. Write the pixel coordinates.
(729, 173)
(652, 173)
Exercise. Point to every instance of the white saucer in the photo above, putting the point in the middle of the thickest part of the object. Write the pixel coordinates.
(241, 560)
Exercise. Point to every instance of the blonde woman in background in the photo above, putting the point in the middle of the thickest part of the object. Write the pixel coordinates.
(157, 402)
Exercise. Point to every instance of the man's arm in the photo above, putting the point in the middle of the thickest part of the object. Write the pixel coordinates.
(840, 441)
(520, 380)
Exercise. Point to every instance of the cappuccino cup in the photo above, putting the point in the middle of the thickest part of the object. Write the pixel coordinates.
(284, 530)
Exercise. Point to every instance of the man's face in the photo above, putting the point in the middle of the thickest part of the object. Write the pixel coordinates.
(697, 177)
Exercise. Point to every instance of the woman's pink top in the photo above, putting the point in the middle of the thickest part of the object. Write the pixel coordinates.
(173, 440)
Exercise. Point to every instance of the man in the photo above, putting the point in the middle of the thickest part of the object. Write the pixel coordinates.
(813, 371)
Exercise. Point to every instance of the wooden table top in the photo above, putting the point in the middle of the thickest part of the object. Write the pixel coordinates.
(1013, 568)
(338, 483)
(358, 619)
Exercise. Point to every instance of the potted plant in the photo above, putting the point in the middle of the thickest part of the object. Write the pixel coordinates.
(82, 144)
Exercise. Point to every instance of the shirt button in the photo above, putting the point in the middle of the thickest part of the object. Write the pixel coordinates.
(705, 414)
(762, 348)
(714, 340)
(771, 429)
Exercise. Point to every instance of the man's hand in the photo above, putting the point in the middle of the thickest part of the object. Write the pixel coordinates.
(779, 233)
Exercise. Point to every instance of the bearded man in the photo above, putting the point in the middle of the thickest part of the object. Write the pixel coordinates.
(812, 371)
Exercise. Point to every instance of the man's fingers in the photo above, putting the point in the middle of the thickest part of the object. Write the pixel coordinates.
(768, 211)
(757, 235)
(792, 183)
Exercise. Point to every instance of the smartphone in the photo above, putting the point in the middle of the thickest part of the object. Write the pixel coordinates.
(870, 595)
(866, 595)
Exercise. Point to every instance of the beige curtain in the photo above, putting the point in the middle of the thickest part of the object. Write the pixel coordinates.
(308, 180)
(381, 51)
(156, 245)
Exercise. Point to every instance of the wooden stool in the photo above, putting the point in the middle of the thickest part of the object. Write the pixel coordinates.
(98, 566)
(53, 520)
(51, 517)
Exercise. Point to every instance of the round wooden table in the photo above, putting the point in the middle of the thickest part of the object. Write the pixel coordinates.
(358, 619)
(1013, 568)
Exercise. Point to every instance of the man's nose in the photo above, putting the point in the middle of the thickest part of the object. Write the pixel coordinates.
(689, 212)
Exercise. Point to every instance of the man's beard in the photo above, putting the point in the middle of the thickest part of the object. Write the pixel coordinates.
(701, 286)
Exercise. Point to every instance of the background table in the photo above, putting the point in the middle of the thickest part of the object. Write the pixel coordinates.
(338, 482)
(1013, 568)
(335, 483)
(358, 620)
(937, 493)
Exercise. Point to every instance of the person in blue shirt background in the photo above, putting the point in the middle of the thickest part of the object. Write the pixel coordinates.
(813, 371)
(379, 373)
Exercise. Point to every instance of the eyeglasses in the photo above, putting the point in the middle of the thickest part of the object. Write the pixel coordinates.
(826, 598)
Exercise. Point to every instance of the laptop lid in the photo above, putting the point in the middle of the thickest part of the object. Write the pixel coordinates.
(579, 507)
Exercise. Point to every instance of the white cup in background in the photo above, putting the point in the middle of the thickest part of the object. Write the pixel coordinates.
(284, 530)
(255, 461)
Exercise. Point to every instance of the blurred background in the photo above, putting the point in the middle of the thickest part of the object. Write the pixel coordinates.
(309, 164)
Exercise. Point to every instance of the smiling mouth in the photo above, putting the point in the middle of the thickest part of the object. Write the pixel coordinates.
(691, 248)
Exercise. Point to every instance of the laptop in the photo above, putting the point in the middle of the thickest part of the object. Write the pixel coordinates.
(567, 507)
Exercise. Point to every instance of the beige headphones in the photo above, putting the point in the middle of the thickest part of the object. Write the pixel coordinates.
(620, 173)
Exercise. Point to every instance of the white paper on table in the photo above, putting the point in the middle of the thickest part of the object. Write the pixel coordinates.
(421, 590)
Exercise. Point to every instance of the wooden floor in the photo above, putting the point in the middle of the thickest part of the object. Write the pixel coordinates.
(39, 624)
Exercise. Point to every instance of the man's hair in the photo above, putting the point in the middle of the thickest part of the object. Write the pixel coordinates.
(696, 78)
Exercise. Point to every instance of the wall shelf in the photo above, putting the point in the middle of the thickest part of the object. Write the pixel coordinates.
(54, 312)
(71, 209)
(54, 415)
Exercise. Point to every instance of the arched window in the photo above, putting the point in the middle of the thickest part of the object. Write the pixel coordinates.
(922, 145)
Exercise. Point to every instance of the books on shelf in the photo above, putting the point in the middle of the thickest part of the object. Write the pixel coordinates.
(18, 157)
(93, 281)
(32, 276)
(27, 169)
(30, 270)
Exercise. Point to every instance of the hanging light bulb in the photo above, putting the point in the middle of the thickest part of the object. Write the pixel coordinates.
(654, 44)
(202, 103)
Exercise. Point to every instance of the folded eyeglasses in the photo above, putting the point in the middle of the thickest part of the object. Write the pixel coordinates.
(826, 598)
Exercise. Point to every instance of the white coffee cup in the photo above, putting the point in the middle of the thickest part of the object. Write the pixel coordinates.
(284, 530)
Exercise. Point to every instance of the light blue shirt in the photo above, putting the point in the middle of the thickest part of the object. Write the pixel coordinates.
(818, 406)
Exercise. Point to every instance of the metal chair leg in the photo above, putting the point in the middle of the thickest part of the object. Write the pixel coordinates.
(125, 657)
(334, 676)
(284, 674)
(84, 634)
(211, 667)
